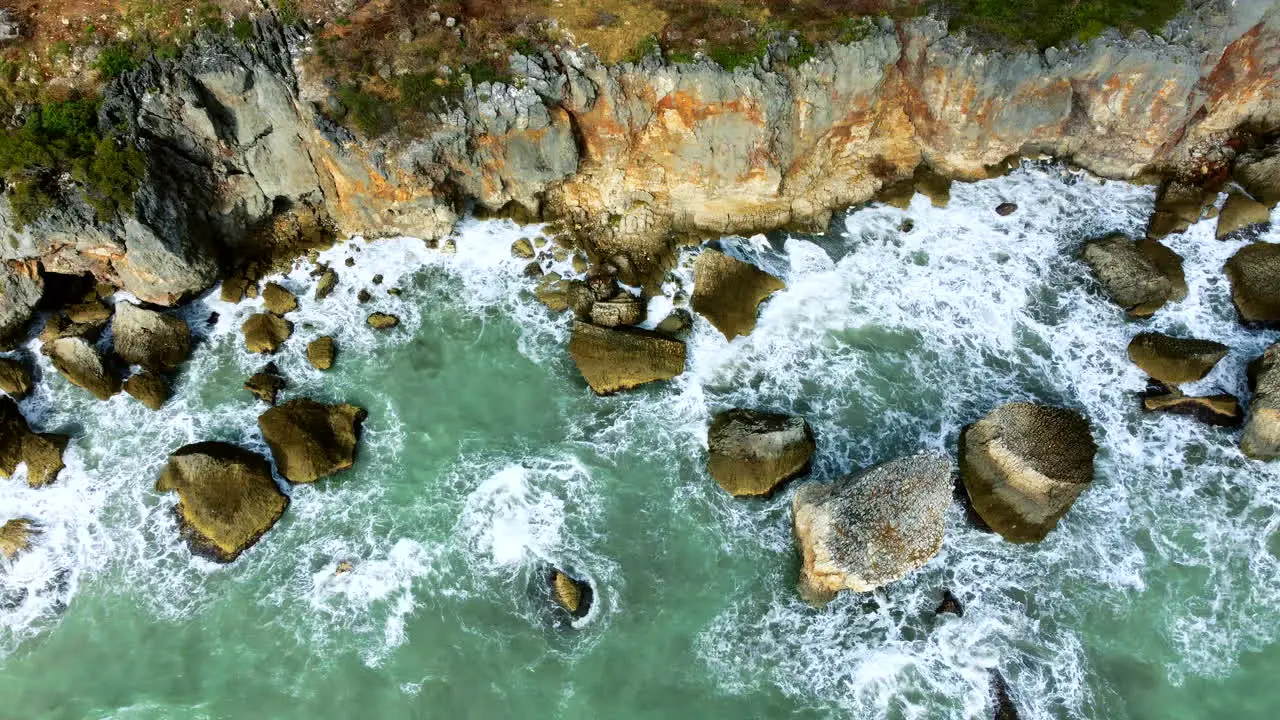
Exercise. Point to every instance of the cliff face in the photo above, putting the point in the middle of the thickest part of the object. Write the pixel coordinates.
(631, 156)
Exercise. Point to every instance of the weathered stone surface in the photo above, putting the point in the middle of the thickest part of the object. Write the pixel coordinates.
(17, 536)
(1172, 360)
(1254, 272)
(20, 291)
(552, 291)
(753, 453)
(149, 388)
(574, 596)
(1178, 206)
(79, 362)
(1024, 465)
(728, 292)
(677, 323)
(1261, 437)
(93, 312)
(265, 386)
(325, 285)
(382, 321)
(265, 332)
(154, 340)
(622, 309)
(227, 498)
(15, 379)
(1221, 409)
(320, 352)
(1258, 172)
(522, 249)
(1138, 276)
(310, 440)
(613, 359)
(871, 528)
(278, 300)
(1241, 212)
(42, 452)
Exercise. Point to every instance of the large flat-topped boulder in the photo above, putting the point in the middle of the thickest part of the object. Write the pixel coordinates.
(154, 340)
(1254, 272)
(613, 359)
(227, 498)
(1173, 360)
(871, 528)
(1138, 276)
(728, 292)
(311, 440)
(754, 453)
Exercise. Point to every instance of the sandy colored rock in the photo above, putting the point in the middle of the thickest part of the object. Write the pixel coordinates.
(1240, 213)
(233, 289)
(265, 332)
(613, 359)
(728, 292)
(15, 379)
(383, 321)
(1177, 207)
(325, 285)
(1258, 172)
(310, 440)
(1261, 437)
(42, 452)
(1254, 272)
(571, 594)
(1136, 275)
(622, 309)
(754, 453)
(278, 300)
(1221, 409)
(320, 352)
(522, 249)
(17, 536)
(94, 312)
(933, 185)
(265, 386)
(154, 340)
(677, 323)
(870, 528)
(227, 498)
(1024, 465)
(79, 362)
(1172, 360)
(149, 388)
(552, 291)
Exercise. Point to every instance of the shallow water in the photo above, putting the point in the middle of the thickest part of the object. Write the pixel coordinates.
(485, 455)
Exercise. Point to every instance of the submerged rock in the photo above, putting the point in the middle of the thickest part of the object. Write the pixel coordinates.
(320, 352)
(154, 340)
(79, 362)
(754, 453)
(17, 536)
(227, 498)
(1241, 213)
(1006, 209)
(1174, 360)
(949, 604)
(1254, 272)
(19, 294)
(1138, 276)
(1002, 703)
(622, 309)
(149, 388)
(278, 300)
(15, 379)
(1024, 465)
(1261, 437)
(728, 292)
(383, 321)
(1222, 409)
(265, 332)
(871, 528)
(265, 385)
(42, 452)
(613, 359)
(310, 440)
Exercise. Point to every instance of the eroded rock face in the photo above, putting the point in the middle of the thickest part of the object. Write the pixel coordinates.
(1024, 465)
(1261, 437)
(1172, 360)
(227, 498)
(622, 309)
(78, 361)
(265, 385)
(1178, 206)
(1254, 272)
(1139, 276)
(15, 379)
(1258, 172)
(754, 453)
(154, 340)
(871, 528)
(310, 440)
(42, 452)
(1221, 409)
(265, 332)
(20, 291)
(613, 359)
(728, 292)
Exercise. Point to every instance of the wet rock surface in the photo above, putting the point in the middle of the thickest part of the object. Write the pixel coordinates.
(754, 453)
(728, 292)
(613, 359)
(1173, 360)
(311, 440)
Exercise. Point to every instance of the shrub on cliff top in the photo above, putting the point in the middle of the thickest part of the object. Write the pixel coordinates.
(1048, 23)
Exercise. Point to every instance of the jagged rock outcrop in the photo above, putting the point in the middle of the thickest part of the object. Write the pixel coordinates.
(750, 452)
(20, 291)
(227, 498)
(17, 536)
(1241, 213)
(1172, 360)
(42, 452)
(278, 300)
(1139, 276)
(266, 384)
(728, 291)
(154, 340)
(1261, 437)
(613, 359)
(15, 379)
(310, 440)
(871, 528)
(79, 362)
(1254, 272)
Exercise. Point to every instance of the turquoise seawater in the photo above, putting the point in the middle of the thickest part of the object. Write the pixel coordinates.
(485, 456)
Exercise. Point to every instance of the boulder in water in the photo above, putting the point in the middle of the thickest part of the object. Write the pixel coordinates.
(1258, 171)
(80, 363)
(320, 352)
(552, 291)
(265, 385)
(1024, 465)
(1002, 703)
(20, 444)
(278, 300)
(383, 321)
(15, 379)
(949, 604)
(1006, 209)
(154, 340)
(1221, 409)
(622, 309)
(265, 332)
(310, 440)
(677, 323)
(754, 453)
(613, 359)
(1174, 360)
(1241, 213)
(328, 281)
(1254, 272)
(1138, 276)
(1177, 206)
(522, 249)
(233, 289)
(16, 537)
(728, 292)
(1261, 437)
(227, 498)
(149, 388)
(871, 528)
(572, 595)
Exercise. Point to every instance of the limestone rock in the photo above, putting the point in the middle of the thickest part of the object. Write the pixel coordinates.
(1258, 171)
(320, 353)
(622, 309)
(1174, 360)
(1241, 212)
(571, 594)
(1140, 277)
(1024, 465)
(265, 386)
(278, 300)
(1261, 437)
(602, 281)
(1178, 206)
(871, 528)
(522, 249)
(19, 293)
(80, 363)
(15, 379)
(728, 292)
(42, 452)
(677, 323)
(227, 498)
(265, 332)
(325, 285)
(383, 321)
(933, 185)
(154, 340)
(17, 536)
(149, 388)
(1254, 272)
(552, 291)
(233, 289)
(613, 359)
(1221, 409)
(754, 453)
(310, 440)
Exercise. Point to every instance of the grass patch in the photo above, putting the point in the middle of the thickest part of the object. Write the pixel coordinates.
(1047, 23)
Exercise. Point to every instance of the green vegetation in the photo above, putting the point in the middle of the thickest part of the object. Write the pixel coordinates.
(370, 113)
(117, 59)
(242, 29)
(64, 138)
(1052, 22)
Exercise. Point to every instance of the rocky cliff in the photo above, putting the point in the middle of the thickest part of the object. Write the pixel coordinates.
(634, 157)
